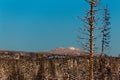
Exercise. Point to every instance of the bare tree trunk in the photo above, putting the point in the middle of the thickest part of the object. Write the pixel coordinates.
(91, 38)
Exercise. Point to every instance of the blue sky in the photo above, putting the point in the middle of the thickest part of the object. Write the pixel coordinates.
(37, 25)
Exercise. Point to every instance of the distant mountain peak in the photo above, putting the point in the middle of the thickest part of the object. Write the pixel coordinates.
(68, 51)
(68, 48)
(73, 48)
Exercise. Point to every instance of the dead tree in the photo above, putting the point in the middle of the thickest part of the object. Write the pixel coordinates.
(105, 31)
(89, 29)
(105, 41)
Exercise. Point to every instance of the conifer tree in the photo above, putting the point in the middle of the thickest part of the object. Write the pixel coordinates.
(90, 21)
(105, 31)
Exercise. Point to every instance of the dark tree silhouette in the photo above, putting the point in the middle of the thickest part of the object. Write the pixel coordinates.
(105, 31)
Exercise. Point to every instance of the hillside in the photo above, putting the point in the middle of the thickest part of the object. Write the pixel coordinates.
(58, 64)
(70, 51)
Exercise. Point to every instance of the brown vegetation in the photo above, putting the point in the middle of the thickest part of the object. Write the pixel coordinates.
(68, 67)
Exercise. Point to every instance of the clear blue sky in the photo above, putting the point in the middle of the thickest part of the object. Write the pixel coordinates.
(37, 25)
